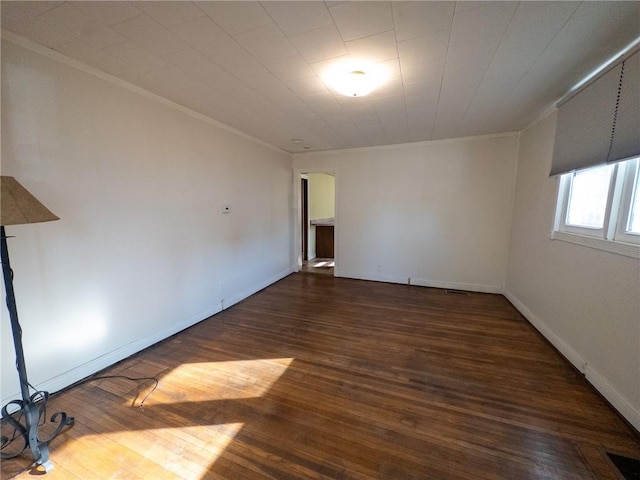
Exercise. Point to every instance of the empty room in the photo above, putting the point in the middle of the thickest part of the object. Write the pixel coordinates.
(320, 240)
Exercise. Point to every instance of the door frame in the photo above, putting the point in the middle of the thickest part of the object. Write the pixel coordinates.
(297, 212)
(304, 220)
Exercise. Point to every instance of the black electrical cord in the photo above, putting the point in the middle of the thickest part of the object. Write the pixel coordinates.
(133, 379)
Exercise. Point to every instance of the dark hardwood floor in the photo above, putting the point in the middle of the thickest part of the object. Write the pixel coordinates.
(320, 377)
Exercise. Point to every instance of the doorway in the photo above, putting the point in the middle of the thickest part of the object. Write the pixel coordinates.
(304, 226)
(315, 244)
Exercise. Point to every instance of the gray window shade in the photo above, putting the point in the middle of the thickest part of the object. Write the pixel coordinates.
(586, 134)
(626, 138)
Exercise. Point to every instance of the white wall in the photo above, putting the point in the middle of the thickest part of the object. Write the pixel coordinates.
(322, 193)
(142, 249)
(436, 212)
(585, 301)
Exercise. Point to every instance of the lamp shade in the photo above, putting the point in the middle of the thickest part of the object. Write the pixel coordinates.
(18, 206)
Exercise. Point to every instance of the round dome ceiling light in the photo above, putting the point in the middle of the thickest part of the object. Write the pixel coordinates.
(356, 84)
(354, 80)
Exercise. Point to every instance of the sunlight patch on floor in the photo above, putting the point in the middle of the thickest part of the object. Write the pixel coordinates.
(209, 381)
(147, 445)
(327, 264)
(175, 446)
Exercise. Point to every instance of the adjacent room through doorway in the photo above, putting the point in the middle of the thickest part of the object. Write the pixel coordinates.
(317, 220)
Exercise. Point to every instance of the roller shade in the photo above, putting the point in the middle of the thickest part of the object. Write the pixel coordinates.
(626, 138)
(601, 123)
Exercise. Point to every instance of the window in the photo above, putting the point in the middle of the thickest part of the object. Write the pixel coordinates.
(588, 194)
(599, 207)
(633, 225)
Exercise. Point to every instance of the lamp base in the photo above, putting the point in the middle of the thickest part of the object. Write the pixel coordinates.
(25, 419)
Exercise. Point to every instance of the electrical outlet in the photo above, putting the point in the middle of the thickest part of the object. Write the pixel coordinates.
(379, 268)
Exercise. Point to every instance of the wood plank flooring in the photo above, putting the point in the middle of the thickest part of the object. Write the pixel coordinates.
(318, 377)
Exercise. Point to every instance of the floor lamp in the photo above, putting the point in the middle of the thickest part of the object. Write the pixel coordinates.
(17, 207)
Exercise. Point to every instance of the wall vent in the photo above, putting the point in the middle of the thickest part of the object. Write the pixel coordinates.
(456, 292)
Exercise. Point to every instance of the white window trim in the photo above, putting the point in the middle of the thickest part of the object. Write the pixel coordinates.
(561, 214)
(619, 248)
(612, 237)
(626, 191)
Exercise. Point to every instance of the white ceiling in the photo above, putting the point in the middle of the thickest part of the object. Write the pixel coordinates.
(457, 68)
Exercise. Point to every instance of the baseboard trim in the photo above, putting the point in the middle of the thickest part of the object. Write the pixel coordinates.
(258, 286)
(618, 401)
(564, 348)
(420, 282)
(470, 287)
(76, 374)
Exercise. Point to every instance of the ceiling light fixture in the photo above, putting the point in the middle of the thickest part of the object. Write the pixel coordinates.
(355, 79)
(356, 84)
(296, 141)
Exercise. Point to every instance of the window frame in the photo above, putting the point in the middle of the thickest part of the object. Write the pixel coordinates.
(630, 180)
(612, 237)
(566, 188)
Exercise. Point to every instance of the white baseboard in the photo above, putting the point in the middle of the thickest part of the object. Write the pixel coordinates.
(470, 287)
(82, 371)
(376, 277)
(421, 282)
(619, 402)
(564, 348)
(631, 414)
(258, 286)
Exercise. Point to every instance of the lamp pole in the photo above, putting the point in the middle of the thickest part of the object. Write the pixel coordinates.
(39, 451)
(16, 330)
